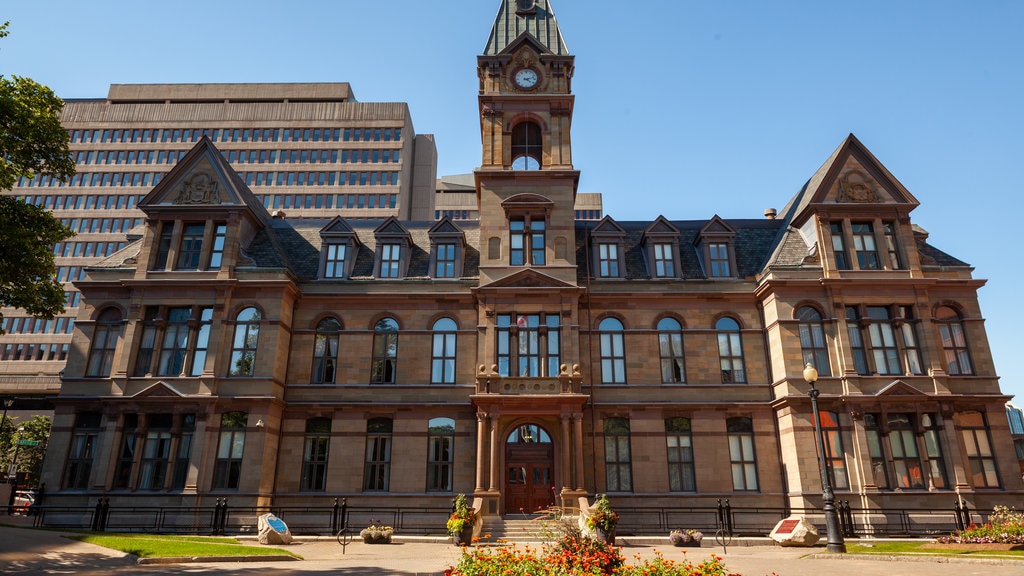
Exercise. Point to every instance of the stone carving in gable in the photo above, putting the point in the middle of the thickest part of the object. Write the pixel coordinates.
(200, 188)
(856, 187)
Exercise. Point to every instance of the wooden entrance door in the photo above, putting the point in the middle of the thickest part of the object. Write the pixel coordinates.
(529, 470)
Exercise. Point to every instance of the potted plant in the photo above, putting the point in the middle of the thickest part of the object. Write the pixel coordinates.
(686, 537)
(377, 533)
(603, 520)
(460, 523)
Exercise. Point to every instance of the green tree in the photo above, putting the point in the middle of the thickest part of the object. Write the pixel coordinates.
(30, 457)
(32, 141)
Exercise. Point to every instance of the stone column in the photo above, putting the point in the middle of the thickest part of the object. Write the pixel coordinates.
(578, 449)
(494, 453)
(481, 439)
(567, 450)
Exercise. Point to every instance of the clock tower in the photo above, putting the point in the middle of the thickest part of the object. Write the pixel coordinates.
(526, 184)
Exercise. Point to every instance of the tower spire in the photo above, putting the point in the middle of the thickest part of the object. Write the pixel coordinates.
(518, 17)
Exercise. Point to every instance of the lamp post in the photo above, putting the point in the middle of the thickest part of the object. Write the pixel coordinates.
(12, 473)
(834, 534)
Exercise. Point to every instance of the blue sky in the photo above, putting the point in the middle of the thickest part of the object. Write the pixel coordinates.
(683, 108)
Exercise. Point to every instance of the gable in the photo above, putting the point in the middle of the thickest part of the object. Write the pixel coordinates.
(528, 279)
(159, 390)
(661, 227)
(391, 228)
(717, 227)
(608, 227)
(900, 388)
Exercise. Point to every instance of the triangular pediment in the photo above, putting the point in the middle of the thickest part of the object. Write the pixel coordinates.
(391, 228)
(337, 226)
(607, 226)
(445, 227)
(202, 181)
(716, 227)
(900, 388)
(661, 227)
(528, 279)
(159, 390)
(853, 177)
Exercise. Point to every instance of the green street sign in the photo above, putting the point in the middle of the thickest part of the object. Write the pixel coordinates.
(28, 442)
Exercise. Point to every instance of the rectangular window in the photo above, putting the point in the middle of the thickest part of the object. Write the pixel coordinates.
(227, 470)
(839, 246)
(202, 343)
(524, 349)
(126, 457)
(882, 338)
(864, 246)
(527, 242)
(617, 457)
(334, 264)
(664, 262)
(445, 265)
(220, 231)
(835, 457)
(147, 342)
(889, 230)
(933, 451)
(906, 458)
(879, 471)
(183, 453)
(608, 260)
(156, 453)
(679, 443)
(314, 455)
(174, 343)
(974, 430)
(860, 357)
(718, 255)
(742, 457)
(377, 476)
(163, 245)
(390, 260)
(84, 441)
(440, 454)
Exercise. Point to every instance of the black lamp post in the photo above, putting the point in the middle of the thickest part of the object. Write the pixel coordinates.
(834, 534)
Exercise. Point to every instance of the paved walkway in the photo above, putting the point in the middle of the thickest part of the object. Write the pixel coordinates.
(25, 551)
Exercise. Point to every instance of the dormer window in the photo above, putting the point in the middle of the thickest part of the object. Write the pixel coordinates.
(190, 245)
(661, 248)
(865, 241)
(716, 249)
(338, 254)
(393, 247)
(864, 246)
(447, 246)
(607, 240)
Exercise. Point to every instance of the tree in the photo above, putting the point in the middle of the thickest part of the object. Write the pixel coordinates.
(32, 141)
(30, 456)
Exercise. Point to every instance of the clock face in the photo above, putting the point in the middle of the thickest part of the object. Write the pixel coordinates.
(526, 78)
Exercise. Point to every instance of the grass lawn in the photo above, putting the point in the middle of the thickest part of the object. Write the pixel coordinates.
(915, 549)
(159, 546)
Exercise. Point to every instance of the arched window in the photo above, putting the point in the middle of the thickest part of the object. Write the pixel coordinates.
(325, 351)
(104, 343)
(954, 342)
(243, 347)
(385, 352)
(730, 351)
(527, 147)
(442, 362)
(812, 340)
(613, 354)
(670, 345)
(440, 454)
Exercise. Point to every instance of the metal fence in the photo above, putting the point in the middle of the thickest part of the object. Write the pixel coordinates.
(223, 518)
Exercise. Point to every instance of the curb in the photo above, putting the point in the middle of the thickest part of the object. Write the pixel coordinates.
(202, 559)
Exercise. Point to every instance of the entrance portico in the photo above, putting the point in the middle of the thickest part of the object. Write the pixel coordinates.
(529, 442)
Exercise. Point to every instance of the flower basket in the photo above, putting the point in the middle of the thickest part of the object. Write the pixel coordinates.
(686, 538)
(377, 534)
(602, 520)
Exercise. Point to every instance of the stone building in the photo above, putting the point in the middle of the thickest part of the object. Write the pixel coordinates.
(526, 355)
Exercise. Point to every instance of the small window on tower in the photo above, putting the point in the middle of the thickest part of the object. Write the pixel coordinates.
(527, 148)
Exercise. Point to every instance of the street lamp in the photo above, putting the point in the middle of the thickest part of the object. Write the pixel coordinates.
(834, 534)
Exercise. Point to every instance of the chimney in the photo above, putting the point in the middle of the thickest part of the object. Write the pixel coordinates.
(770, 213)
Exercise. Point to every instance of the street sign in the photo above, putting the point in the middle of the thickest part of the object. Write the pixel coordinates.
(28, 442)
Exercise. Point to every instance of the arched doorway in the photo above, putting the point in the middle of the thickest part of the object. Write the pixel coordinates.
(529, 467)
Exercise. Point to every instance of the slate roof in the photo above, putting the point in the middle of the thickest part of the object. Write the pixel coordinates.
(295, 244)
(753, 245)
(540, 24)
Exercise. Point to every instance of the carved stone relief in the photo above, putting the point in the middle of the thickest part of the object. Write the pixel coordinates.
(200, 188)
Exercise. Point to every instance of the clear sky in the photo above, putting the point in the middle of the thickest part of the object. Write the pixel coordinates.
(683, 108)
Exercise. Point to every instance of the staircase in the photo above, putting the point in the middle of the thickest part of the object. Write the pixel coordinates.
(519, 529)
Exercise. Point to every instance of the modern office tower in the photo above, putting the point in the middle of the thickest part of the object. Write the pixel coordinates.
(304, 150)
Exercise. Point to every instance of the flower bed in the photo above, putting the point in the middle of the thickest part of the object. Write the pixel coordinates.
(1006, 526)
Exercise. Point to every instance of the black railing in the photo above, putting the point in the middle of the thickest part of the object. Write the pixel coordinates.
(223, 518)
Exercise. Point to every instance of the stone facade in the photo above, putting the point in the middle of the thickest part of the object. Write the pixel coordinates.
(530, 357)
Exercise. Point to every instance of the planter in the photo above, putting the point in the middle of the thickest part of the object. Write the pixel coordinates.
(377, 539)
(606, 536)
(690, 544)
(465, 536)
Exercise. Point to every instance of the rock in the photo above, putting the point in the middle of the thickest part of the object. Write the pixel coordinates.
(795, 531)
(273, 530)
